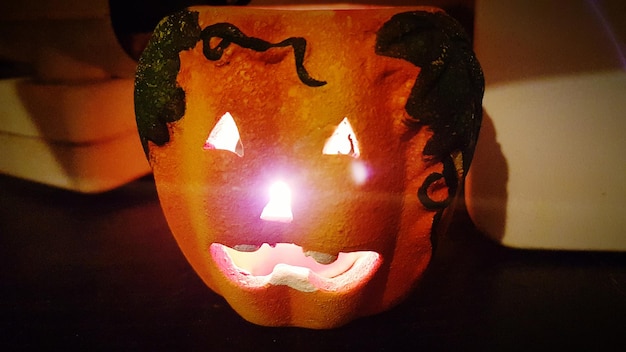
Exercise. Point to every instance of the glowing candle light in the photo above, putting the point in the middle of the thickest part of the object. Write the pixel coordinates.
(279, 206)
(225, 136)
(343, 141)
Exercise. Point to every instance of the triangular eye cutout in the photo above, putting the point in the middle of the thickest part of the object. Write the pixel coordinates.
(343, 141)
(225, 136)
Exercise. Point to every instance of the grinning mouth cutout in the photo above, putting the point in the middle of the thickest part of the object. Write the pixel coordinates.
(253, 267)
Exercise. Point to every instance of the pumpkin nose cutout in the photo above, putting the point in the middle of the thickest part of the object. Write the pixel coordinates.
(278, 208)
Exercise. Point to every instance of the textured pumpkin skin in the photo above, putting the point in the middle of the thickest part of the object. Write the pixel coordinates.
(216, 196)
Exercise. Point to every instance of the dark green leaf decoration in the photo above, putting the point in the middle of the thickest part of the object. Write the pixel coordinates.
(447, 95)
(158, 98)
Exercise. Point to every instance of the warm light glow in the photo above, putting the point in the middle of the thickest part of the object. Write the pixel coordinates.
(343, 141)
(360, 173)
(287, 264)
(225, 136)
(279, 206)
(266, 257)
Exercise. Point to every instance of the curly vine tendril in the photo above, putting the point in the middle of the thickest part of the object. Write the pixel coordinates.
(449, 175)
(230, 34)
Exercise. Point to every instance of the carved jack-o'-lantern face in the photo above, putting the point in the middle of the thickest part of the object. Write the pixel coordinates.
(303, 159)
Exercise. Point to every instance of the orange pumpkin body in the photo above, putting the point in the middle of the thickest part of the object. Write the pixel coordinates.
(359, 207)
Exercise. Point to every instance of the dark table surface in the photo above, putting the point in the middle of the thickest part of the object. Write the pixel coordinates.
(102, 272)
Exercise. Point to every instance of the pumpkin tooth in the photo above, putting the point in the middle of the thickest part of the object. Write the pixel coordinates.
(246, 247)
(322, 258)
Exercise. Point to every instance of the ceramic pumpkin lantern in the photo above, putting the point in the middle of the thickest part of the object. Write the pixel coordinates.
(304, 159)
